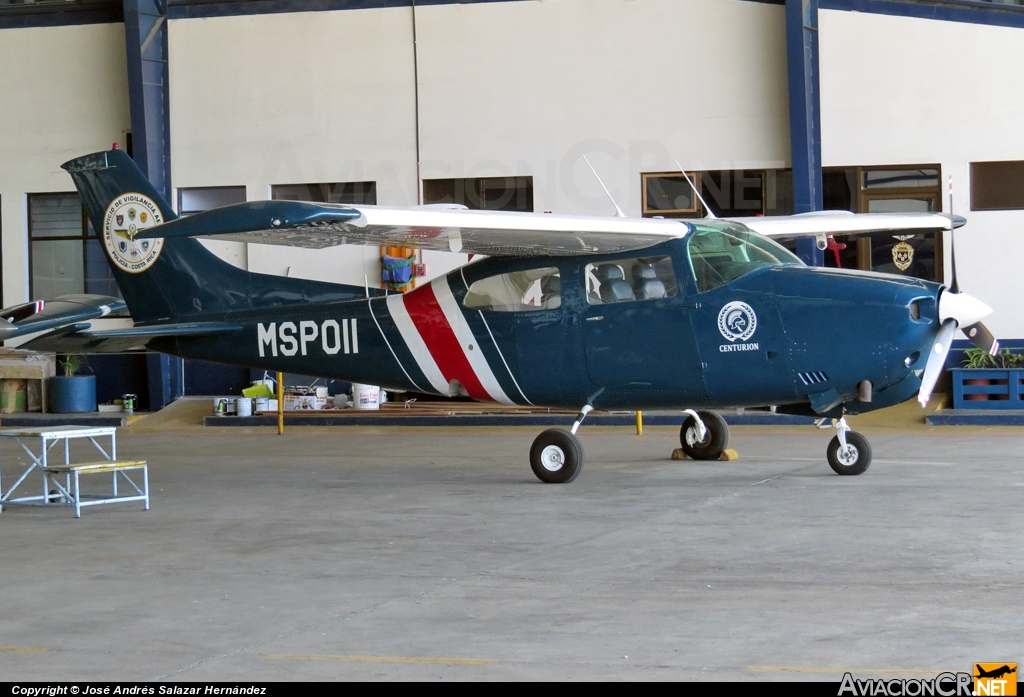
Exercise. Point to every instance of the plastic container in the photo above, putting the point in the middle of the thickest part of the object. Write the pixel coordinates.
(243, 406)
(365, 396)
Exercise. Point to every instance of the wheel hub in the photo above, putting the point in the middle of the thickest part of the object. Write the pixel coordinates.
(848, 454)
(692, 439)
(553, 458)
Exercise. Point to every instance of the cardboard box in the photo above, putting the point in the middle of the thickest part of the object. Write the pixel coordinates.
(13, 396)
(305, 398)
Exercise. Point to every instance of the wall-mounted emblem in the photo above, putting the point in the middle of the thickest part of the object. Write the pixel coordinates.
(120, 228)
(902, 255)
(737, 321)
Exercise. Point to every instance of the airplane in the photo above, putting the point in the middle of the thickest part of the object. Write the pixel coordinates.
(996, 673)
(574, 312)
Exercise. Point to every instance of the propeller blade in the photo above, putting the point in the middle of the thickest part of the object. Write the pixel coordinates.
(936, 359)
(981, 337)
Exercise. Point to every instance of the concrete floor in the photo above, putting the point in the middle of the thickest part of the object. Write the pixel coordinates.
(433, 553)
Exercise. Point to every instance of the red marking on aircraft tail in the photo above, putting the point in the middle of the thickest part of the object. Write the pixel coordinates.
(437, 334)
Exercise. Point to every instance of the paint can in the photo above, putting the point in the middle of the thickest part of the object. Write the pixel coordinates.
(129, 401)
(231, 406)
(365, 396)
(220, 406)
(261, 404)
(243, 406)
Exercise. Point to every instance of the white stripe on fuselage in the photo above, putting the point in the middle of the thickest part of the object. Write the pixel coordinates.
(412, 338)
(469, 344)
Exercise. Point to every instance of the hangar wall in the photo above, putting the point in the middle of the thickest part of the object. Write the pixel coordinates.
(507, 88)
(956, 98)
(68, 96)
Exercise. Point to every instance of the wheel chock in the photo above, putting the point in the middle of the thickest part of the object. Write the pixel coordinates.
(728, 455)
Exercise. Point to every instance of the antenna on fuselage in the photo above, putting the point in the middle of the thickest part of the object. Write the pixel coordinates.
(707, 208)
(618, 211)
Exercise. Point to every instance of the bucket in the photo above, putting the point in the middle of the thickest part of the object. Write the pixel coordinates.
(231, 408)
(220, 406)
(261, 404)
(365, 396)
(244, 406)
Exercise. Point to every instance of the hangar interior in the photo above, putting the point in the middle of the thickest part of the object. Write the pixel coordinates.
(774, 107)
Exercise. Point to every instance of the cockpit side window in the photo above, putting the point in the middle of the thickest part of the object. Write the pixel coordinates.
(518, 291)
(719, 255)
(625, 280)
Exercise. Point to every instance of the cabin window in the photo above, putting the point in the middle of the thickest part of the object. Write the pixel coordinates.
(721, 254)
(518, 291)
(626, 280)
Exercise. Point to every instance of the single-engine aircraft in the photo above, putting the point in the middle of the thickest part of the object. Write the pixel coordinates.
(564, 311)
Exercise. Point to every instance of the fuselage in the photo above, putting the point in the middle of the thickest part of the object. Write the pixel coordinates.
(689, 323)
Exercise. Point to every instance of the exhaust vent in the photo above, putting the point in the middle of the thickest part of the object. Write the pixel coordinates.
(812, 378)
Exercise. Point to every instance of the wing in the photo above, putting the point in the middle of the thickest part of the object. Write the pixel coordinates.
(498, 233)
(443, 228)
(822, 223)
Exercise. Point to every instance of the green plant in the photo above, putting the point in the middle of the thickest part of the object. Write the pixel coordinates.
(979, 358)
(71, 364)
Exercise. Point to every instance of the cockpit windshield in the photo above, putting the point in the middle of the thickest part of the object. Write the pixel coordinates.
(723, 253)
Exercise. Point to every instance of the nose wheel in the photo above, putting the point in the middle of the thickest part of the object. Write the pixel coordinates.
(849, 453)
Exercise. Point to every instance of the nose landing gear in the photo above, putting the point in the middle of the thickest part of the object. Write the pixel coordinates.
(849, 452)
(704, 435)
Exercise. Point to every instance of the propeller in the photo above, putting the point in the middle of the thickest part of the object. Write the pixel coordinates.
(956, 310)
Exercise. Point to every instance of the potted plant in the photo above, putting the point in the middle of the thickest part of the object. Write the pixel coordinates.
(72, 393)
(980, 369)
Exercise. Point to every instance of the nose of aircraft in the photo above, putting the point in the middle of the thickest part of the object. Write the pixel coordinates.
(955, 310)
(964, 308)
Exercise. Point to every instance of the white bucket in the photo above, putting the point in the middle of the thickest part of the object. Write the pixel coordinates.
(244, 406)
(220, 406)
(365, 396)
(261, 404)
(232, 406)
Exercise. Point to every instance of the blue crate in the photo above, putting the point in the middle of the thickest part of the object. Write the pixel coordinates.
(1006, 393)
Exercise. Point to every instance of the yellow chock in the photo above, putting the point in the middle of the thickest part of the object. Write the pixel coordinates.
(679, 454)
(728, 455)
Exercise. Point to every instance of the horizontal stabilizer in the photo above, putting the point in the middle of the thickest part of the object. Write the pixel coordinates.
(60, 312)
(81, 338)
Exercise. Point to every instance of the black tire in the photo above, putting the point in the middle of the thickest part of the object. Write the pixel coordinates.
(716, 440)
(556, 456)
(857, 458)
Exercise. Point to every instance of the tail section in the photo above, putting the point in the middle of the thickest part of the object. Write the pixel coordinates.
(173, 279)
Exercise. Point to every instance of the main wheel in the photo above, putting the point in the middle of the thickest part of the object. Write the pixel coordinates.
(556, 456)
(716, 436)
(854, 458)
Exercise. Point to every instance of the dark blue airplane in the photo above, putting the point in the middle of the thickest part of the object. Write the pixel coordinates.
(577, 312)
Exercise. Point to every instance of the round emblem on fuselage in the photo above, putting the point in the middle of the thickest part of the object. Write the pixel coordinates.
(737, 321)
(127, 216)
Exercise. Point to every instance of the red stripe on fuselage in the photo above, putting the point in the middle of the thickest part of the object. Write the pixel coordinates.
(437, 334)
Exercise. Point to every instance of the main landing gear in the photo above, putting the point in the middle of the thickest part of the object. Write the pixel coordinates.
(557, 455)
(849, 452)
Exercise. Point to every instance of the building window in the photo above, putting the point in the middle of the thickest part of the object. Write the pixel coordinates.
(734, 193)
(885, 189)
(353, 193)
(65, 256)
(997, 186)
(485, 193)
(199, 199)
